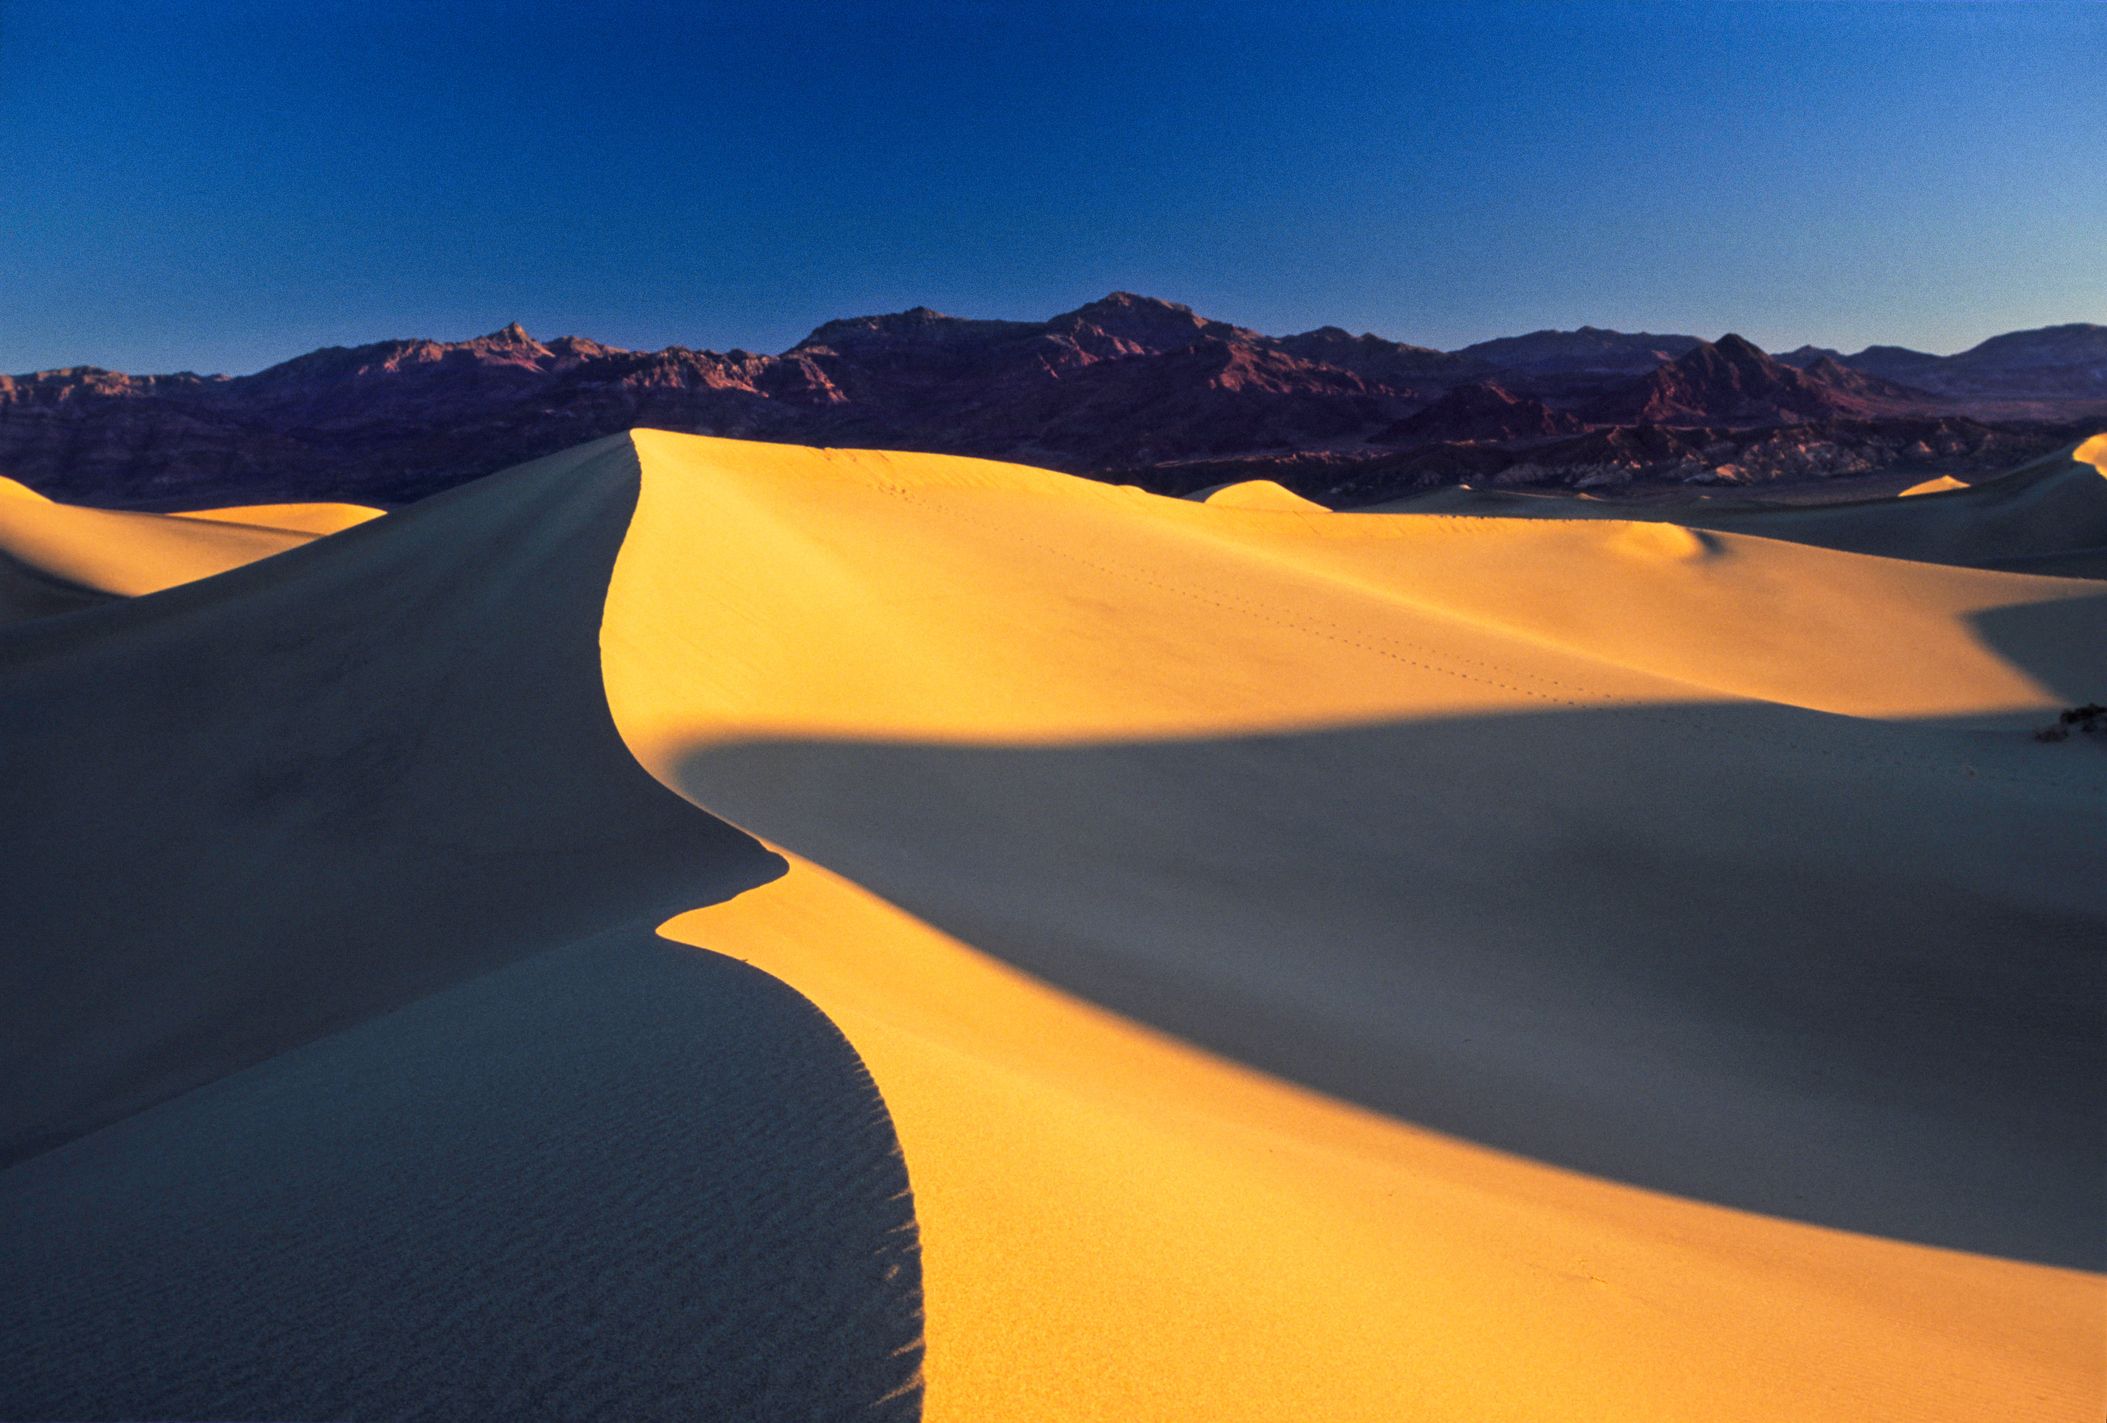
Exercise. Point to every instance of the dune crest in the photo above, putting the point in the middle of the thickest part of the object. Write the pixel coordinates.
(322, 518)
(1115, 1225)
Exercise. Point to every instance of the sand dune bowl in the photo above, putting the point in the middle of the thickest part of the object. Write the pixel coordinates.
(691, 928)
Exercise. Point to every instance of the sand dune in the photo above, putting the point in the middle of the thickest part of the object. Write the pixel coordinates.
(116, 551)
(1262, 494)
(1408, 810)
(321, 748)
(1357, 966)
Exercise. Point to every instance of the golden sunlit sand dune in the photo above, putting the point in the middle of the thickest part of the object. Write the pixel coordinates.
(54, 557)
(1938, 485)
(1262, 494)
(1315, 965)
(1410, 811)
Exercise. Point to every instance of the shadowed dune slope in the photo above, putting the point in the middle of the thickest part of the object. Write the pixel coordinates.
(1794, 1011)
(388, 748)
(28, 592)
(615, 1180)
(1482, 933)
(327, 896)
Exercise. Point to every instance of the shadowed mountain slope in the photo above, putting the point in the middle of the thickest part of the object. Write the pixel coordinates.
(1588, 351)
(1482, 410)
(2044, 364)
(1732, 381)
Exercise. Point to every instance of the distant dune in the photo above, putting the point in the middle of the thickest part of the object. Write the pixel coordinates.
(1260, 494)
(1498, 959)
(54, 553)
(1940, 485)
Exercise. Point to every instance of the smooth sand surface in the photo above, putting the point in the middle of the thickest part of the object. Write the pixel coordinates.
(1687, 1049)
(55, 558)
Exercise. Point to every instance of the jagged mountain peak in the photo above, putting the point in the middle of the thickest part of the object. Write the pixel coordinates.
(1740, 348)
(1133, 301)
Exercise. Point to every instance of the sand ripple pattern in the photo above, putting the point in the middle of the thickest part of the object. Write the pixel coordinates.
(621, 1180)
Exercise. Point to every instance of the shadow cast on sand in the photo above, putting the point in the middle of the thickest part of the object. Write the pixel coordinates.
(1842, 972)
(2046, 640)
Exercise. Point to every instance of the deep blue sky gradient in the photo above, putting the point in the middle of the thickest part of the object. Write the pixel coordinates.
(217, 186)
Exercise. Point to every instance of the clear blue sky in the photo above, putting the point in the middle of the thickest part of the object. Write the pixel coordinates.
(215, 187)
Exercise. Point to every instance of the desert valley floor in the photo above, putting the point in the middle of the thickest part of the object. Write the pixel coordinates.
(687, 928)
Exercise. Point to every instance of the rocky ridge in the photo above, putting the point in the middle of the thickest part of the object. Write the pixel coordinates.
(1126, 387)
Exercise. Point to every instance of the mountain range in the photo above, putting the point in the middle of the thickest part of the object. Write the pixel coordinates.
(1128, 388)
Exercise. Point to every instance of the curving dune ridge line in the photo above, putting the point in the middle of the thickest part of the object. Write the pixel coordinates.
(311, 518)
(345, 1076)
(1408, 810)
